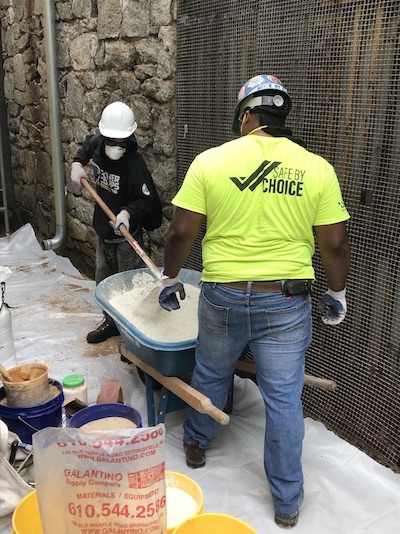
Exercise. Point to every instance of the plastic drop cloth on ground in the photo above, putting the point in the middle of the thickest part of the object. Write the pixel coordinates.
(53, 308)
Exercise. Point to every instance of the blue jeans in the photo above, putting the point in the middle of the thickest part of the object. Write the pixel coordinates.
(113, 258)
(278, 330)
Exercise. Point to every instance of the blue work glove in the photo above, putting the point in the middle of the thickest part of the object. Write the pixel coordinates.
(167, 297)
(122, 218)
(333, 307)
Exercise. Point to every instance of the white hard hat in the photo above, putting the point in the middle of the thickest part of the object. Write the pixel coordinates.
(117, 121)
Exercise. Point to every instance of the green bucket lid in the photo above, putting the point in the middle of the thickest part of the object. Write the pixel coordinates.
(73, 381)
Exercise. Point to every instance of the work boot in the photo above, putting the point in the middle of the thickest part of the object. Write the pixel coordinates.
(286, 522)
(106, 330)
(195, 455)
(289, 522)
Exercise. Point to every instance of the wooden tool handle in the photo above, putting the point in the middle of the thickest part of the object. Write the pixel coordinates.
(5, 374)
(131, 240)
(178, 387)
(221, 417)
(99, 200)
(313, 381)
(322, 383)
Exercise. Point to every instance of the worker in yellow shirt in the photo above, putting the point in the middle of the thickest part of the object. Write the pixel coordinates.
(264, 197)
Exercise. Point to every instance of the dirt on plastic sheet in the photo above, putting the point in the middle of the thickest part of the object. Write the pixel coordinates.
(106, 348)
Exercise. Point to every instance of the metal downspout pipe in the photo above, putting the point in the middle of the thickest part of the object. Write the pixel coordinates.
(3, 192)
(55, 126)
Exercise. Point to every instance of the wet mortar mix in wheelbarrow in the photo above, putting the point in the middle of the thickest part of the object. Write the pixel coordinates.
(162, 339)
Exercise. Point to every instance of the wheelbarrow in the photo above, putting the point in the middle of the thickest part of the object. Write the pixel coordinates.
(168, 364)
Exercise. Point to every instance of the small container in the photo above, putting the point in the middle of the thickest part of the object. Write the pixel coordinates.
(213, 523)
(29, 385)
(74, 387)
(25, 421)
(97, 412)
(191, 488)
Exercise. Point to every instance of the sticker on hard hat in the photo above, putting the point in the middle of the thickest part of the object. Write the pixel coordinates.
(257, 80)
(145, 190)
(275, 79)
(275, 86)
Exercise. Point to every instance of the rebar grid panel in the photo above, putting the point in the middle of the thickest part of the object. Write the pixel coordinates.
(340, 60)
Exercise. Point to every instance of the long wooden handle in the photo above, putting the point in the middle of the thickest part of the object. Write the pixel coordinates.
(322, 383)
(178, 387)
(131, 240)
(194, 398)
(309, 380)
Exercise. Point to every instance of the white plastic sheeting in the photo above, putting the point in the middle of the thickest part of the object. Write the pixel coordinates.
(53, 308)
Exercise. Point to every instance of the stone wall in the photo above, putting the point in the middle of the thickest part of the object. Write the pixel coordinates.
(107, 50)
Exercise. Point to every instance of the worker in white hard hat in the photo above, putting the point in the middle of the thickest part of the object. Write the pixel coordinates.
(124, 183)
(265, 199)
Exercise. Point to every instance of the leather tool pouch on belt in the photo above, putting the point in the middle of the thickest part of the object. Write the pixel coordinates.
(297, 287)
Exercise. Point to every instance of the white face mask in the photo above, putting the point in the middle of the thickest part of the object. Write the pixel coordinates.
(114, 152)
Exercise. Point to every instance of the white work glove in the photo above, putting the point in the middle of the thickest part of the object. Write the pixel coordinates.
(167, 297)
(333, 307)
(78, 172)
(122, 218)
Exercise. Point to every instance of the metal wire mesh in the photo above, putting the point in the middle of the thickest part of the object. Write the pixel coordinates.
(341, 63)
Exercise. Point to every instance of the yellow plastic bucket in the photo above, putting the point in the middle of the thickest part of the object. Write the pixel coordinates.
(214, 524)
(26, 516)
(189, 486)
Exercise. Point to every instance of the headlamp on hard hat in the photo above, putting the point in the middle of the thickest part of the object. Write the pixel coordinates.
(274, 101)
(263, 91)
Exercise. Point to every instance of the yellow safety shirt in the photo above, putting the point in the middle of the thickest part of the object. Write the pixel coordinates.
(262, 196)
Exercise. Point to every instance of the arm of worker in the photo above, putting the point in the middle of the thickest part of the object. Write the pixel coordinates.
(334, 247)
(143, 202)
(82, 158)
(182, 232)
(85, 152)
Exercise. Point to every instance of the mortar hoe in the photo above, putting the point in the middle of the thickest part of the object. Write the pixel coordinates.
(5, 374)
(131, 240)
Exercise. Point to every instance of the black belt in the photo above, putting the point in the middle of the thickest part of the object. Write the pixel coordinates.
(288, 287)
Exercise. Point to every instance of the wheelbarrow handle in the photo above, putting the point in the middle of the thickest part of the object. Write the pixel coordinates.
(181, 389)
(221, 417)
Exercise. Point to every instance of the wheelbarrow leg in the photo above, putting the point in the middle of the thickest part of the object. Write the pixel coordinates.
(168, 403)
(149, 383)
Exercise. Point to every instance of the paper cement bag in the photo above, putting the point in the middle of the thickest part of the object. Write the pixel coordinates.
(105, 482)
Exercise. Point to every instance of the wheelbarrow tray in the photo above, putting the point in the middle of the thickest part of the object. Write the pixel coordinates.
(170, 359)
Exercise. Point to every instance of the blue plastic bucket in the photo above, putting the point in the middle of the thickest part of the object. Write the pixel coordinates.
(26, 420)
(100, 411)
